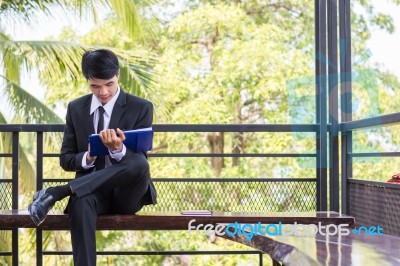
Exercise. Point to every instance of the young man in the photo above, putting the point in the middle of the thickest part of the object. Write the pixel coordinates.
(117, 183)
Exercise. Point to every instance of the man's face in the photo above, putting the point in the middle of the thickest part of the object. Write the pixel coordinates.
(104, 89)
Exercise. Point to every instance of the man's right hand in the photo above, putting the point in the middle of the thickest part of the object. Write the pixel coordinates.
(89, 159)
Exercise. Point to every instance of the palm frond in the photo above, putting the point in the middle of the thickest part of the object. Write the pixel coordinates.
(58, 59)
(128, 12)
(4, 142)
(5, 243)
(4, 37)
(51, 58)
(26, 105)
(26, 170)
(11, 64)
(3, 120)
(137, 74)
(26, 10)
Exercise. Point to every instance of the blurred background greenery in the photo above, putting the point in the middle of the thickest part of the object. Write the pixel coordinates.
(199, 62)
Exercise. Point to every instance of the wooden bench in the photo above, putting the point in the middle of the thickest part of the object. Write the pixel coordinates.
(173, 220)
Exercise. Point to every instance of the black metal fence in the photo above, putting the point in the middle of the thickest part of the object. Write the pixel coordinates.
(218, 194)
(371, 203)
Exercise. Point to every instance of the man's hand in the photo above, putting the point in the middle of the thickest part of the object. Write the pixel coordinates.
(88, 158)
(111, 139)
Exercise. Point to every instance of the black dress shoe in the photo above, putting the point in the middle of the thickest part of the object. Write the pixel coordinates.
(41, 205)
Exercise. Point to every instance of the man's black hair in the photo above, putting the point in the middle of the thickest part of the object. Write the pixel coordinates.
(101, 64)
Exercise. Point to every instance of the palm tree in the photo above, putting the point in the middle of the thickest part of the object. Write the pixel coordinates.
(59, 60)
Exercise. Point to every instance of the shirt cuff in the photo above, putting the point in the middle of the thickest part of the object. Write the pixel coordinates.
(84, 165)
(119, 155)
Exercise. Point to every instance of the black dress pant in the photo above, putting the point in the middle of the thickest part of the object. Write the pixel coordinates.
(117, 189)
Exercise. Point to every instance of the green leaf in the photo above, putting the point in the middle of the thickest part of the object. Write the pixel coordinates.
(25, 105)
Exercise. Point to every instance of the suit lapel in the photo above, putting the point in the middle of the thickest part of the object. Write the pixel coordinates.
(88, 118)
(118, 110)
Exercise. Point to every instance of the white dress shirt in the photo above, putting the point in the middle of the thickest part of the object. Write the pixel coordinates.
(108, 108)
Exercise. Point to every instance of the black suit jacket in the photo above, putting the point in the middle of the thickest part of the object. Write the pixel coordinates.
(130, 112)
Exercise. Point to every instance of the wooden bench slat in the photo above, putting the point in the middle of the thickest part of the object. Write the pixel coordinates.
(172, 220)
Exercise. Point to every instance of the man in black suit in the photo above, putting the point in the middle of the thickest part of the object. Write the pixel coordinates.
(117, 183)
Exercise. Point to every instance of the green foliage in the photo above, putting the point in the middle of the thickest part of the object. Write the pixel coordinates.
(137, 75)
(207, 51)
(5, 241)
(53, 60)
(173, 241)
(218, 62)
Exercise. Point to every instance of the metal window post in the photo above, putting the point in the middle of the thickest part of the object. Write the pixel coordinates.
(345, 95)
(321, 103)
(333, 106)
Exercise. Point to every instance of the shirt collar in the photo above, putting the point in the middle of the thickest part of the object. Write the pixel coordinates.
(108, 107)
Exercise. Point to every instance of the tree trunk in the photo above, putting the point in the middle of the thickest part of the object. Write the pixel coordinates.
(238, 138)
(238, 147)
(216, 141)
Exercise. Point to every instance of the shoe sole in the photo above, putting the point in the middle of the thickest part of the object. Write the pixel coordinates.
(35, 219)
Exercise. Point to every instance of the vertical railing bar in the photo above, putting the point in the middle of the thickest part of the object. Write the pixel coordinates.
(39, 185)
(333, 107)
(14, 193)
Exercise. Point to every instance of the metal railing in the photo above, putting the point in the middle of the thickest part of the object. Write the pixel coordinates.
(269, 191)
(370, 202)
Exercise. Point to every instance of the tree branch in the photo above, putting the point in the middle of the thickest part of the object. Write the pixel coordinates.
(208, 43)
(253, 11)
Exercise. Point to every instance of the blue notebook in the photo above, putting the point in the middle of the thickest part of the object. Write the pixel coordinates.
(136, 140)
